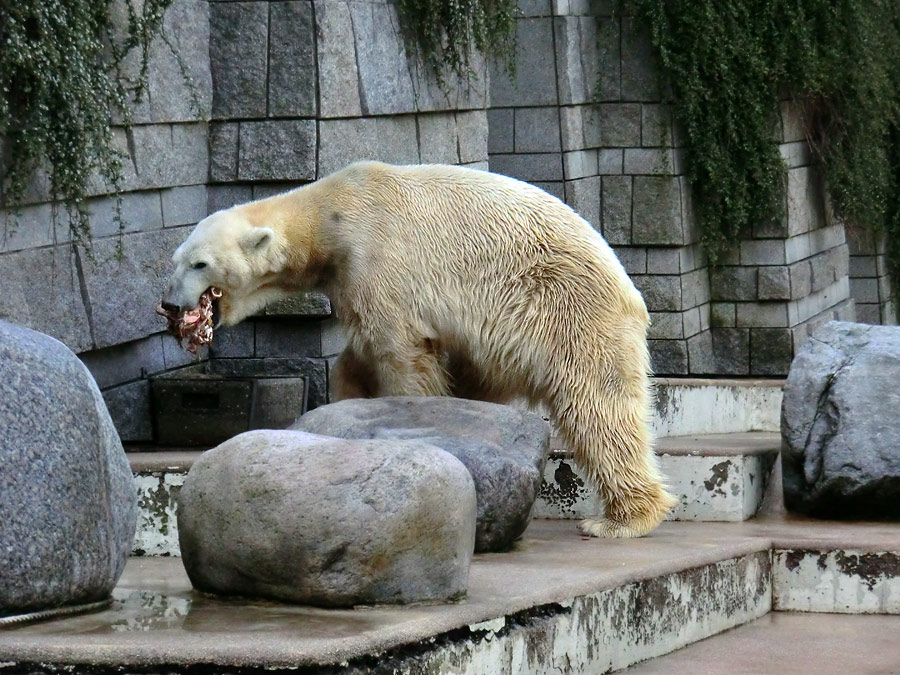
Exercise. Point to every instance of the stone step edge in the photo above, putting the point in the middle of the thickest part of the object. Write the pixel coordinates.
(698, 445)
(717, 382)
(567, 626)
(737, 443)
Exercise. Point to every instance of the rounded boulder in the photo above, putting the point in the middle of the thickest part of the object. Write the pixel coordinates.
(67, 501)
(504, 449)
(301, 518)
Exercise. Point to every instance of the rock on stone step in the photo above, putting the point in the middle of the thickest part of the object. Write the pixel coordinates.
(67, 501)
(504, 449)
(841, 423)
(296, 517)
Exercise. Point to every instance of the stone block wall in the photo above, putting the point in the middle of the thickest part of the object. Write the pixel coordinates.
(871, 285)
(619, 160)
(99, 301)
(283, 92)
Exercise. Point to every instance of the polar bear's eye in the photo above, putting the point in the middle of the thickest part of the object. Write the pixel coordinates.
(199, 265)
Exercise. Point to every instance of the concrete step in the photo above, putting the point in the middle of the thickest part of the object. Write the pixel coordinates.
(716, 478)
(790, 643)
(691, 406)
(557, 603)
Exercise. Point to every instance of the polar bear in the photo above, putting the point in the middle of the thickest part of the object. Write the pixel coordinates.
(454, 281)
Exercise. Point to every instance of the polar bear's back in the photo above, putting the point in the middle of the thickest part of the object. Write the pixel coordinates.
(456, 233)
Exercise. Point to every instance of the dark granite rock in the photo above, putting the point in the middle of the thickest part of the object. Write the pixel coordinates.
(322, 521)
(840, 423)
(503, 448)
(66, 494)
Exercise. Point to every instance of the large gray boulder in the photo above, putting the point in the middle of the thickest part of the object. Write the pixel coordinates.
(503, 448)
(840, 423)
(67, 501)
(322, 521)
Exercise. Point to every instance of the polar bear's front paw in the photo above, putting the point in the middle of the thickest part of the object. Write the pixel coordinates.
(609, 529)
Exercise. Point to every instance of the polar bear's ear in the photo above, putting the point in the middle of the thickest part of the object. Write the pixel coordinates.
(257, 239)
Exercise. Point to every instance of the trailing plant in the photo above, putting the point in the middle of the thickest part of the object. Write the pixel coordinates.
(447, 31)
(63, 79)
(729, 63)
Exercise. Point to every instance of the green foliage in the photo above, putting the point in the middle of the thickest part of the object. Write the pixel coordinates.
(728, 64)
(62, 81)
(446, 31)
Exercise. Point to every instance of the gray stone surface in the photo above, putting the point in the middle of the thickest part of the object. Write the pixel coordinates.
(840, 424)
(278, 338)
(238, 49)
(472, 127)
(385, 83)
(537, 130)
(500, 127)
(184, 205)
(620, 124)
(534, 83)
(503, 448)
(640, 69)
(438, 138)
(771, 351)
(734, 283)
(336, 54)
(387, 139)
(536, 167)
(66, 490)
(223, 151)
(668, 357)
(166, 155)
(616, 211)
(125, 362)
(129, 409)
(179, 84)
(59, 309)
(657, 211)
(314, 520)
(662, 292)
(277, 150)
(575, 40)
(292, 60)
(124, 281)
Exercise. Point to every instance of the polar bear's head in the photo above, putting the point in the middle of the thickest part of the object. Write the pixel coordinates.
(228, 252)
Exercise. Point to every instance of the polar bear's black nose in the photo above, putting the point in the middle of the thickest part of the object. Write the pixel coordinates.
(169, 307)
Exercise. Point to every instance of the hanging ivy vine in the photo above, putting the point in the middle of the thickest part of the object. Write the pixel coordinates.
(729, 63)
(447, 31)
(63, 79)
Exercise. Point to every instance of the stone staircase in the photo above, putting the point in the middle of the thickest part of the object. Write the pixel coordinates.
(557, 603)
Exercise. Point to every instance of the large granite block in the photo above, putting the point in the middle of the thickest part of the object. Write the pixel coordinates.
(385, 83)
(338, 76)
(58, 309)
(534, 83)
(277, 150)
(238, 49)
(387, 139)
(292, 60)
(657, 211)
(66, 491)
(125, 280)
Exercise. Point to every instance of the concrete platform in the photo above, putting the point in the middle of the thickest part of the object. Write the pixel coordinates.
(717, 477)
(557, 603)
(790, 643)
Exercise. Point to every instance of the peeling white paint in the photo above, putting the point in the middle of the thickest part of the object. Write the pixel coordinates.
(844, 582)
(157, 521)
(711, 489)
(614, 629)
(693, 407)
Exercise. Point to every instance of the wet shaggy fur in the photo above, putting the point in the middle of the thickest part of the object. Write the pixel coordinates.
(452, 281)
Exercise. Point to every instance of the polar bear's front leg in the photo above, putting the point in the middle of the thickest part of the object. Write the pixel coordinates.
(352, 377)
